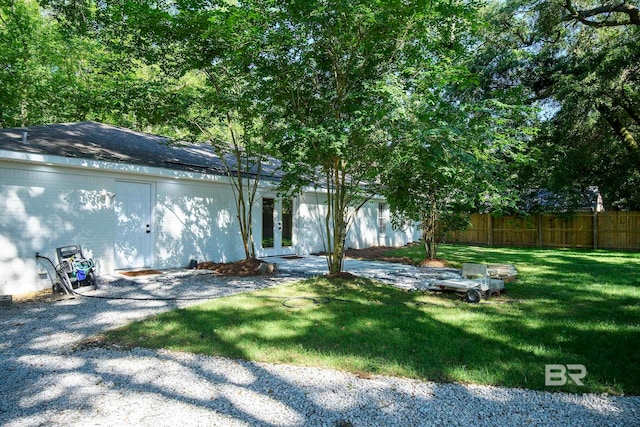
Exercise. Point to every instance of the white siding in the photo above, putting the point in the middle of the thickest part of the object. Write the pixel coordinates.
(309, 223)
(42, 208)
(46, 207)
(196, 221)
(363, 233)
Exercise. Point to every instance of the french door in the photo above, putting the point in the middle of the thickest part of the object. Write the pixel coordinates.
(277, 226)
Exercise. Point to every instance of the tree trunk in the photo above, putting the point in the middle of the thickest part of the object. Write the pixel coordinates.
(336, 223)
(619, 128)
(244, 188)
(429, 237)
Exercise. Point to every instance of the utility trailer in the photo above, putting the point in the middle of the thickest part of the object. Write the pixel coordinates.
(475, 281)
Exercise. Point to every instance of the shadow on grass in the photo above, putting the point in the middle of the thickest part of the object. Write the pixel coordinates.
(584, 304)
(48, 379)
(365, 327)
(563, 260)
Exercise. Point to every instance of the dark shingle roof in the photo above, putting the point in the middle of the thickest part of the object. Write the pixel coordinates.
(96, 141)
(543, 200)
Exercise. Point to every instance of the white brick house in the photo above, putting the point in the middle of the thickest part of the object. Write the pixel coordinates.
(134, 201)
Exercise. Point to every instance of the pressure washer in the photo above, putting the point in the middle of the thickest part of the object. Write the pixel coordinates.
(74, 270)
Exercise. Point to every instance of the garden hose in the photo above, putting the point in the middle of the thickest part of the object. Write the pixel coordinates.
(287, 302)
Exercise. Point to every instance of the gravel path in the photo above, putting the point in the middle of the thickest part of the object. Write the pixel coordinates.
(45, 379)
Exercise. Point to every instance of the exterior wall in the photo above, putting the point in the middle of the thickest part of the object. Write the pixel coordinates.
(42, 208)
(363, 232)
(195, 221)
(46, 207)
(51, 202)
(309, 223)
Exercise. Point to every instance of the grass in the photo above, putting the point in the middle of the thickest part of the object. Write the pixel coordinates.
(576, 307)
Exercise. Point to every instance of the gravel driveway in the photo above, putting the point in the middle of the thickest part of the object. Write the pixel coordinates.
(45, 379)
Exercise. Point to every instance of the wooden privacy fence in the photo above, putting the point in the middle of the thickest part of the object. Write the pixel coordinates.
(602, 230)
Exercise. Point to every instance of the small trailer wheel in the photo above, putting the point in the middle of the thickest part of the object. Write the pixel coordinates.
(57, 288)
(473, 296)
(91, 280)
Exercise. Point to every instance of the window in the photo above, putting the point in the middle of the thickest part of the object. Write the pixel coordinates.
(383, 218)
(268, 206)
(287, 222)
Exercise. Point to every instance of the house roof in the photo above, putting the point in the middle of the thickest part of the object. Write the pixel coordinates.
(588, 199)
(97, 141)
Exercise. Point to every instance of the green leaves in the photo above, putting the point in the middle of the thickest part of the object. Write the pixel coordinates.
(30, 62)
(418, 96)
(579, 57)
(462, 142)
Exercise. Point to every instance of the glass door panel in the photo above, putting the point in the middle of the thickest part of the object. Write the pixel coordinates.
(268, 211)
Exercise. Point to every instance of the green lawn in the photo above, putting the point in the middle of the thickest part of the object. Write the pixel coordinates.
(574, 307)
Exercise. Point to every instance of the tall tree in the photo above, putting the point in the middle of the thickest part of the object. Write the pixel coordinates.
(31, 63)
(221, 114)
(323, 84)
(56, 67)
(226, 114)
(331, 70)
(210, 91)
(605, 14)
(460, 151)
(316, 74)
(579, 61)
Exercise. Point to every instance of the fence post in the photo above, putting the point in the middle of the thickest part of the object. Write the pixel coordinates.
(490, 230)
(595, 229)
(539, 227)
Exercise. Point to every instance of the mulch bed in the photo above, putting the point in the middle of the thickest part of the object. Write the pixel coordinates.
(245, 267)
(344, 275)
(379, 253)
(436, 263)
(139, 273)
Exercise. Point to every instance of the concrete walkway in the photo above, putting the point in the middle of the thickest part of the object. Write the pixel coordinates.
(401, 275)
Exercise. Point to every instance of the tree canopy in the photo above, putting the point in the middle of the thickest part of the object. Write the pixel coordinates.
(579, 61)
(331, 86)
(430, 104)
(333, 71)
